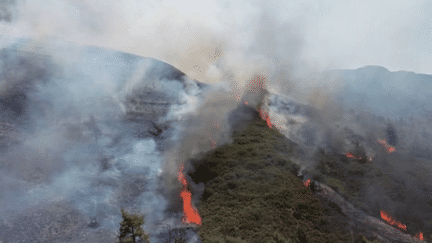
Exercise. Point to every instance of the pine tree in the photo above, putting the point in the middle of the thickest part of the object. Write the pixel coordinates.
(130, 228)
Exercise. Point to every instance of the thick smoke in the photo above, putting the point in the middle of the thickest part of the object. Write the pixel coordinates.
(7, 9)
(358, 130)
(73, 114)
(392, 138)
(90, 133)
(80, 138)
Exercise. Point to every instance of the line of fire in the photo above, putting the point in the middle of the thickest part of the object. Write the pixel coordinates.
(191, 215)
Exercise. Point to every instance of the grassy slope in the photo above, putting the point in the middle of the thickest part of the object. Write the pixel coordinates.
(252, 193)
(349, 177)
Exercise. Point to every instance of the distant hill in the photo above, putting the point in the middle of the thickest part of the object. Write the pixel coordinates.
(253, 191)
(399, 94)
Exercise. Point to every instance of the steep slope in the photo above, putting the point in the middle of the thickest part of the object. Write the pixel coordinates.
(252, 193)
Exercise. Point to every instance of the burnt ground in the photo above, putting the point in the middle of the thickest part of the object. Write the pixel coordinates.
(57, 222)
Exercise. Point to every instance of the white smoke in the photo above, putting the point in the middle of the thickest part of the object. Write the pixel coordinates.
(74, 144)
(76, 105)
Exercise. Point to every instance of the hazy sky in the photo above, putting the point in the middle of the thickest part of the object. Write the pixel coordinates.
(334, 34)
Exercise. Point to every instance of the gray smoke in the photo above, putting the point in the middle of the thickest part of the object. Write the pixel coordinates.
(89, 133)
(73, 114)
(357, 126)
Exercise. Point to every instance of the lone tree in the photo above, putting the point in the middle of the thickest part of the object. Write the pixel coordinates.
(130, 228)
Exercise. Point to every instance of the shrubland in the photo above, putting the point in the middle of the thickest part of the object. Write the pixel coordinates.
(252, 192)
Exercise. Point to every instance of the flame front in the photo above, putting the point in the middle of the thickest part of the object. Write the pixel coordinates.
(391, 221)
(351, 155)
(387, 147)
(264, 115)
(419, 236)
(306, 183)
(190, 213)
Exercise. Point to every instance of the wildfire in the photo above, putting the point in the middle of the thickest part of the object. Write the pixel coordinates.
(265, 117)
(351, 155)
(419, 236)
(391, 221)
(256, 85)
(387, 147)
(307, 183)
(190, 213)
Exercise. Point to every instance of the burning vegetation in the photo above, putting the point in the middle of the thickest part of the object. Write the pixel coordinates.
(351, 155)
(252, 192)
(387, 217)
(387, 147)
(190, 213)
(368, 185)
(246, 184)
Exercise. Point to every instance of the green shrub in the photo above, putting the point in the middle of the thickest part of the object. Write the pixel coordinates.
(258, 197)
(356, 169)
(130, 228)
(355, 184)
(363, 239)
(279, 238)
(336, 185)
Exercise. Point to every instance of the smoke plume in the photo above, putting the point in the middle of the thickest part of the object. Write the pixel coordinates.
(102, 101)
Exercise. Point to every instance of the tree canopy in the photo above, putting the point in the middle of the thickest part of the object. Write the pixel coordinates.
(130, 228)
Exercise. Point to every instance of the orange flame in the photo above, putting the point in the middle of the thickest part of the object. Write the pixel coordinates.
(264, 115)
(190, 212)
(387, 147)
(257, 84)
(419, 236)
(351, 155)
(306, 183)
(391, 221)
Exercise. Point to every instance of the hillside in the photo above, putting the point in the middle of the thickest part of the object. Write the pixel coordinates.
(252, 193)
(95, 146)
(399, 94)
